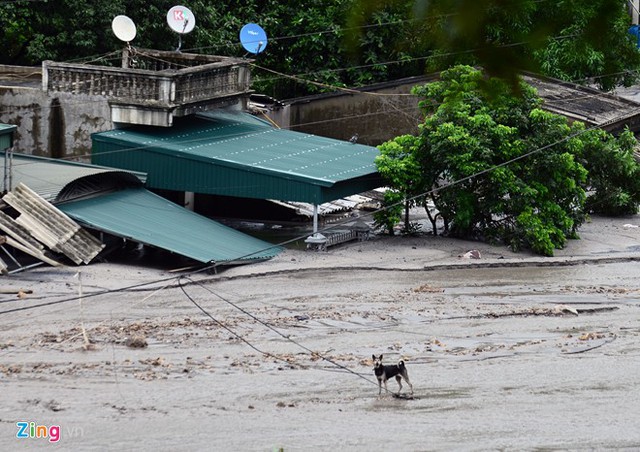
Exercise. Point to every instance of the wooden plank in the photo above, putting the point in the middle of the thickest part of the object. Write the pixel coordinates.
(32, 252)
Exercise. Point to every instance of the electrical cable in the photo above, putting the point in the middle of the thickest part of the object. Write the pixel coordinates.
(267, 325)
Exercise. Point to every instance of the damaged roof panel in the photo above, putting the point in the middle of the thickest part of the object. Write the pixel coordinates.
(48, 177)
(142, 216)
(51, 227)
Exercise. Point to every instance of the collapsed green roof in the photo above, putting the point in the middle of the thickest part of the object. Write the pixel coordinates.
(142, 216)
(115, 202)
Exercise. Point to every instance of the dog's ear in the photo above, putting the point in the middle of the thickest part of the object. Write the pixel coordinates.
(373, 357)
(380, 358)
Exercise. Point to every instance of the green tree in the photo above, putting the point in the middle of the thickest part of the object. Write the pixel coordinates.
(345, 42)
(501, 169)
(62, 30)
(570, 40)
(614, 174)
(398, 166)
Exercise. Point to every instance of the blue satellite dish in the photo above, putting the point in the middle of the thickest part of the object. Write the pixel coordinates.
(635, 31)
(253, 38)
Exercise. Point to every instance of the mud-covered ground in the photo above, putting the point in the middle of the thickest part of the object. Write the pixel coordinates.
(510, 351)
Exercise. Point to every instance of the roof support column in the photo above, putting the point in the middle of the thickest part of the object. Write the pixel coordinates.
(190, 201)
(316, 241)
(315, 218)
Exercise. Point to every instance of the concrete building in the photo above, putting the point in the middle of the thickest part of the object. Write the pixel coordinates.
(56, 108)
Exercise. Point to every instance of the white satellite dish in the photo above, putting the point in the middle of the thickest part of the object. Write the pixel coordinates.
(181, 19)
(124, 28)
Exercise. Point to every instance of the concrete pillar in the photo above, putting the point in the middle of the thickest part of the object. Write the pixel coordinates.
(634, 11)
(315, 218)
(190, 200)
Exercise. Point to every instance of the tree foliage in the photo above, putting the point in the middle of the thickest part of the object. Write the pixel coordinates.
(614, 174)
(570, 40)
(345, 42)
(499, 168)
(398, 165)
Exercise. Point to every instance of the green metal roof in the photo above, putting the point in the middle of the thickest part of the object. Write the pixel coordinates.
(6, 136)
(145, 217)
(235, 154)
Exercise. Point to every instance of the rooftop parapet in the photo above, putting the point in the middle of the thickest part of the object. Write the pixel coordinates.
(154, 86)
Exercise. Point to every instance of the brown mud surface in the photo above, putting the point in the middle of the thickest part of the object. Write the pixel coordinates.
(510, 351)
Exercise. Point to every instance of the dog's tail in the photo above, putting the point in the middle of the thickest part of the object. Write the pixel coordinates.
(401, 364)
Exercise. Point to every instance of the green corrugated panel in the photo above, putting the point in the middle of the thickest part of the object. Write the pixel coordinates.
(237, 155)
(6, 136)
(144, 217)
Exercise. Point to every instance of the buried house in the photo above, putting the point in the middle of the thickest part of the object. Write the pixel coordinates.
(234, 154)
(57, 200)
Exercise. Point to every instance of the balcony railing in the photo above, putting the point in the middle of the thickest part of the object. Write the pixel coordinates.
(153, 78)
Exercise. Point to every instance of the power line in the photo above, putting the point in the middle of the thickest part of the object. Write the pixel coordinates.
(267, 325)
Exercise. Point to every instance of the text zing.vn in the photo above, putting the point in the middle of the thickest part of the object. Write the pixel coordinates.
(31, 430)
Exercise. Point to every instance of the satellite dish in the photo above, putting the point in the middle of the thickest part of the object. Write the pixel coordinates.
(181, 19)
(124, 28)
(253, 38)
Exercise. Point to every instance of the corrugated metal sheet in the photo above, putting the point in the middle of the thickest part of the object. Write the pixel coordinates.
(6, 136)
(52, 227)
(336, 206)
(144, 217)
(238, 155)
(20, 238)
(48, 177)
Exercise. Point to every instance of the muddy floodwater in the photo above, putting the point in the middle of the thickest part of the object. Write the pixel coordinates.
(507, 352)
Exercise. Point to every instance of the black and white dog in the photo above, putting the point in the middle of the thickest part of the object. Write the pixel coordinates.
(384, 373)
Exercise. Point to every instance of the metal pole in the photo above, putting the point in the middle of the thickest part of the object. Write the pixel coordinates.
(6, 171)
(315, 218)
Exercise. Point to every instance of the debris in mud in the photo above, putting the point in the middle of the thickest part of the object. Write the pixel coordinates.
(11, 369)
(285, 405)
(564, 309)
(53, 406)
(590, 336)
(403, 396)
(471, 254)
(128, 333)
(50, 337)
(599, 289)
(120, 409)
(427, 288)
(558, 310)
(137, 341)
(18, 292)
(154, 362)
(88, 346)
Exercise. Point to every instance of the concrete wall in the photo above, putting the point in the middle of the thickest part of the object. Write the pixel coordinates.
(634, 10)
(382, 113)
(59, 125)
